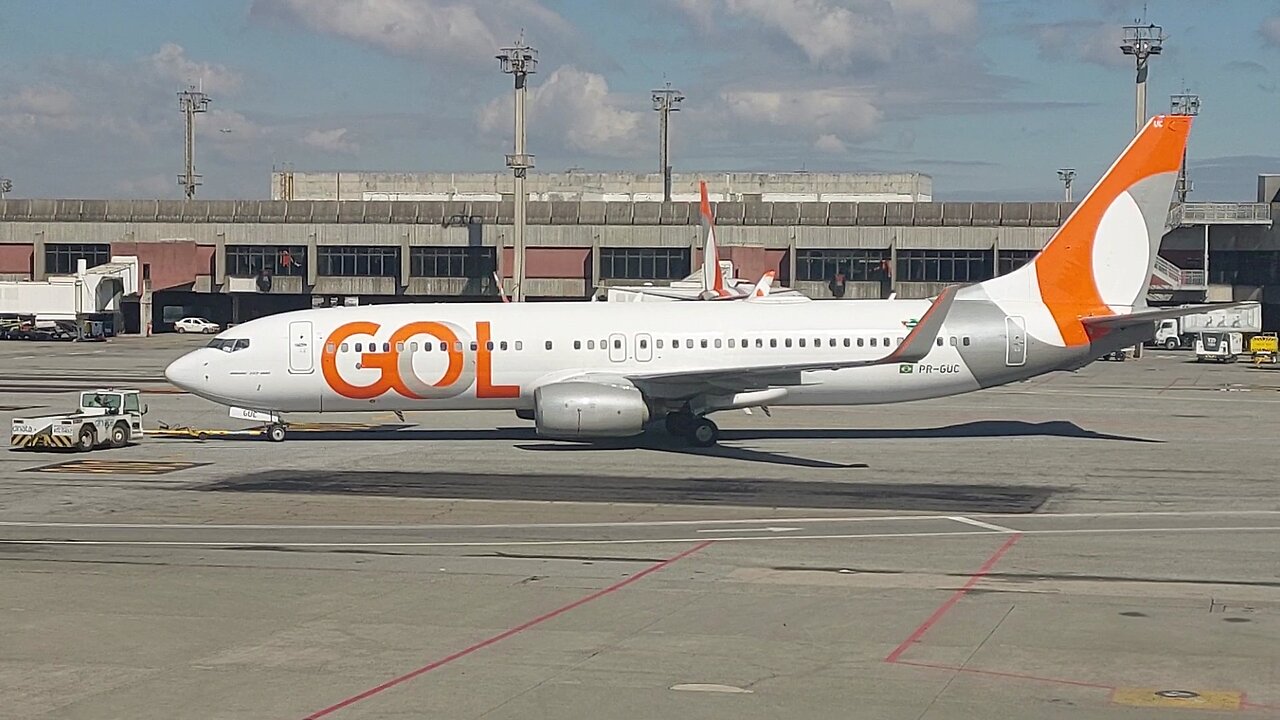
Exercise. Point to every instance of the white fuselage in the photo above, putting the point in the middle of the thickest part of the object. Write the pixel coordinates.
(474, 356)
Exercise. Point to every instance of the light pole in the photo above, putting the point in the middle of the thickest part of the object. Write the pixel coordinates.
(666, 101)
(190, 102)
(519, 61)
(1142, 41)
(1184, 103)
(6, 187)
(1067, 176)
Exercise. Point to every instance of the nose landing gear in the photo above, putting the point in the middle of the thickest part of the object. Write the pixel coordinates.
(699, 431)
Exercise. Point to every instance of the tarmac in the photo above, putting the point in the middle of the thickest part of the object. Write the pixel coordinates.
(1100, 544)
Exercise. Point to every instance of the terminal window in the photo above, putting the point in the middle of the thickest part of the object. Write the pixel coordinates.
(644, 263)
(944, 265)
(452, 262)
(1244, 267)
(813, 264)
(1011, 260)
(250, 260)
(358, 261)
(62, 259)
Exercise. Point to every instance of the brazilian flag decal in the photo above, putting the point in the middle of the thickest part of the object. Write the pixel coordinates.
(905, 369)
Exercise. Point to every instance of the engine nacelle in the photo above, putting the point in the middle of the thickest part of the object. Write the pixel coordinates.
(587, 409)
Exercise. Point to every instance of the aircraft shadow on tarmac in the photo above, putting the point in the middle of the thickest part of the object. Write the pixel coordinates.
(599, 488)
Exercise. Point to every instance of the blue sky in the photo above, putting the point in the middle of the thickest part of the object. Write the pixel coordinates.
(989, 97)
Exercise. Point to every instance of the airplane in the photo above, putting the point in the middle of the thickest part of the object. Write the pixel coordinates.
(595, 370)
(714, 280)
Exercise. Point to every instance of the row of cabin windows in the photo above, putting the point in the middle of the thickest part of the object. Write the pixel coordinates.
(643, 344)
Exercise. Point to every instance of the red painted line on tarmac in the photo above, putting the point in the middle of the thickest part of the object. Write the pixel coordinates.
(951, 601)
(997, 673)
(506, 634)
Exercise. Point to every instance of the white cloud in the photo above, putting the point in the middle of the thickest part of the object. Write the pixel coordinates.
(1270, 30)
(574, 110)
(444, 30)
(830, 144)
(38, 108)
(836, 111)
(332, 141)
(171, 62)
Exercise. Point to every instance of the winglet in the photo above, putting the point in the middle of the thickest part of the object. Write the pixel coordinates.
(764, 285)
(502, 293)
(921, 339)
(712, 279)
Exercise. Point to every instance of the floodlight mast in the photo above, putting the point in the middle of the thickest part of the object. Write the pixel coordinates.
(1142, 41)
(666, 100)
(1067, 176)
(519, 61)
(1184, 103)
(190, 102)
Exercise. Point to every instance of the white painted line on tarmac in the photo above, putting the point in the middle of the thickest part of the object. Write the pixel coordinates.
(769, 529)
(637, 523)
(979, 523)
(267, 545)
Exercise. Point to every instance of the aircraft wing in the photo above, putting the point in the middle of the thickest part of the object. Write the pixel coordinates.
(1152, 314)
(685, 383)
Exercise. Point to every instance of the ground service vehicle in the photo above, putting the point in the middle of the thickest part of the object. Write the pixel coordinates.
(196, 325)
(105, 418)
(1180, 332)
(1219, 346)
(1265, 348)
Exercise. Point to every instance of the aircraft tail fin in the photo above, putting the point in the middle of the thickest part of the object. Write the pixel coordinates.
(712, 278)
(1099, 262)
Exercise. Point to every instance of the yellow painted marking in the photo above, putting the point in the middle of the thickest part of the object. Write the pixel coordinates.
(116, 467)
(1178, 698)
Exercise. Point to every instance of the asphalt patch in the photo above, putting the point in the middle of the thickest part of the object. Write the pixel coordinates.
(749, 492)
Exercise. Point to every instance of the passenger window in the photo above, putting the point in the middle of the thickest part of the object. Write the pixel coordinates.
(745, 344)
(343, 347)
(859, 342)
(688, 342)
(873, 342)
(817, 342)
(519, 345)
(358, 347)
(489, 346)
(760, 342)
(473, 346)
(658, 342)
(548, 344)
(952, 341)
(831, 342)
(939, 341)
(502, 345)
(787, 342)
(329, 348)
(386, 347)
(591, 344)
(457, 347)
(577, 344)
(444, 347)
(717, 343)
(886, 342)
(732, 343)
(428, 347)
(846, 342)
(801, 342)
(773, 342)
(413, 347)
(644, 344)
(703, 342)
(900, 340)
(965, 341)
(617, 344)
(399, 347)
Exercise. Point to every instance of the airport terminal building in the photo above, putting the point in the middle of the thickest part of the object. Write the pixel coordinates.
(378, 238)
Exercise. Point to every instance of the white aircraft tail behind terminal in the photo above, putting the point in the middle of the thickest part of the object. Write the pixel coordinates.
(584, 370)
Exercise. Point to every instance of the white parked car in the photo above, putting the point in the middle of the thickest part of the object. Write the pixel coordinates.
(196, 325)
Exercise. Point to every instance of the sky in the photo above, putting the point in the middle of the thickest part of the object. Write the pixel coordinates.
(989, 97)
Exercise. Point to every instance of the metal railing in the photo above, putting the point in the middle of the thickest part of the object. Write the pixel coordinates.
(1176, 278)
(1221, 213)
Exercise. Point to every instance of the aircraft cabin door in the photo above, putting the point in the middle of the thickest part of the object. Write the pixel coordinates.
(300, 342)
(1015, 328)
(644, 347)
(617, 347)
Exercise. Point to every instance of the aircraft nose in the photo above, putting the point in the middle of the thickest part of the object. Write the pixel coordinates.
(186, 373)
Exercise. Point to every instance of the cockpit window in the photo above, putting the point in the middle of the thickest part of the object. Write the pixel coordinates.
(229, 344)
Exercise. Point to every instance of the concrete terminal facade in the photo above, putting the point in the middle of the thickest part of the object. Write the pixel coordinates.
(575, 185)
(235, 260)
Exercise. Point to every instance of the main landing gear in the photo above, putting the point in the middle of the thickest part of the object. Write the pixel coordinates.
(698, 431)
(275, 432)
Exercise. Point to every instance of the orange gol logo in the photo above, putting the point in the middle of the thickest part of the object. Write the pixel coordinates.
(469, 363)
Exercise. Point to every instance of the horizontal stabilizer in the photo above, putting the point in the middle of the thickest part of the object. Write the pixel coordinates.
(1153, 314)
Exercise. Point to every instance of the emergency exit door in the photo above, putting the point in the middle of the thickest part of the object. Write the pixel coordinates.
(300, 341)
(1016, 341)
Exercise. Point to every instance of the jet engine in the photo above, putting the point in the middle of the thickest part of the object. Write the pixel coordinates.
(588, 409)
